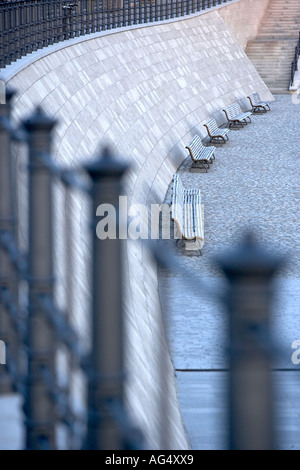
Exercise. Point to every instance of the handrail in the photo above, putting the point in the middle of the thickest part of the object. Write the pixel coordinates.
(295, 61)
(28, 25)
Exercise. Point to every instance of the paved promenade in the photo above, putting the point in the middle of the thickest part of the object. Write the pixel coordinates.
(253, 183)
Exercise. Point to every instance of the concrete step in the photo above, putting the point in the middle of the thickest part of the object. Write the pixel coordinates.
(261, 46)
(273, 49)
(276, 62)
(269, 76)
(286, 28)
(279, 36)
(288, 42)
(260, 54)
(278, 91)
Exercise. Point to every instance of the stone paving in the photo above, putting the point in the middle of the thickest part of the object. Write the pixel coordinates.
(253, 183)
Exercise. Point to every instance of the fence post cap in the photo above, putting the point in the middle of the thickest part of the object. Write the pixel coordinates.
(106, 165)
(39, 120)
(249, 258)
(6, 96)
(9, 93)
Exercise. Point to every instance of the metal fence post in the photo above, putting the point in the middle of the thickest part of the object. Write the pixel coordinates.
(8, 278)
(39, 408)
(250, 270)
(105, 387)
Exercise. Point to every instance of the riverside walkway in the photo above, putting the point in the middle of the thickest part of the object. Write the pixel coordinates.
(253, 183)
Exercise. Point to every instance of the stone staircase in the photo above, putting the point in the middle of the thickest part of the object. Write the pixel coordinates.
(272, 51)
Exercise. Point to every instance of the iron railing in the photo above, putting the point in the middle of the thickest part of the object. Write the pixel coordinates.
(295, 62)
(27, 26)
(37, 330)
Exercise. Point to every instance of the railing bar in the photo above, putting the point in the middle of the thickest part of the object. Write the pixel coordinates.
(29, 26)
(17, 258)
(68, 274)
(14, 310)
(12, 370)
(59, 397)
(64, 331)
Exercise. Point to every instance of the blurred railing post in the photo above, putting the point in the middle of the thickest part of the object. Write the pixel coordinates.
(39, 408)
(106, 380)
(250, 270)
(8, 279)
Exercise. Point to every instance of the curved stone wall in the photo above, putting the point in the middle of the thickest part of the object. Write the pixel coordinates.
(146, 91)
(244, 18)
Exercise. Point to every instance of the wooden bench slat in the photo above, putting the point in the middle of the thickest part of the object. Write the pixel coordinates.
(187, 212)
(235, 116)
(215, 133)
(202, 156)
(258, 106)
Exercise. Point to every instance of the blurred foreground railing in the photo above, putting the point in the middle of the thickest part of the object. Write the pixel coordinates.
(252, 350)
(37, 330)
(28, 25)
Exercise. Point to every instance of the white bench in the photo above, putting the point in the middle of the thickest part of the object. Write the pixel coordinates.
(235, 116)
(216, 134)
(258, 106)
(188, 215)
(202, 156)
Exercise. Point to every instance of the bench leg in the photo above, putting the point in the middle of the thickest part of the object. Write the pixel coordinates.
(218, 140)
(221, 139)
(236, 124)
(258, 110)
(190, 251)
(200, 166)
(193, 253)
(179, 242)
(263, 108)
